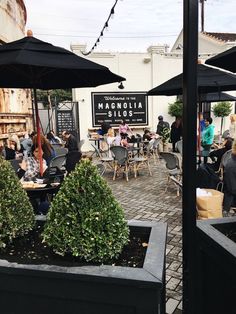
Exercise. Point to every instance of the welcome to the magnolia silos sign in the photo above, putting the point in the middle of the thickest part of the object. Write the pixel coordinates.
(112, 107)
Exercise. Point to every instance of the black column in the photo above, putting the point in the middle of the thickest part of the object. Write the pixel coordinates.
(190, 57)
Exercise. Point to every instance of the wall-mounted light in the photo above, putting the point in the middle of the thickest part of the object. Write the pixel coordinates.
(121, 86)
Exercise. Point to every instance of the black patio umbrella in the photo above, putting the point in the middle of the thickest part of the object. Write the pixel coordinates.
(32, 63)
(224, 60)
(209, 80)
(215, 97)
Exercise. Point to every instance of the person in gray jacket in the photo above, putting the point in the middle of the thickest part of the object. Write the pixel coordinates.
(230, 181)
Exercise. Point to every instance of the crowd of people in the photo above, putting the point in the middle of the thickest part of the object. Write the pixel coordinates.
(26, 148)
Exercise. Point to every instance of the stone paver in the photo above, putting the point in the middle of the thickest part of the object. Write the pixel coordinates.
(146, 198)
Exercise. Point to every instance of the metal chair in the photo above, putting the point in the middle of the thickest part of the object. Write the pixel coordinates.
(121, 160)
(59, 151)
(101, 169)
(139, 162)
(99, 153)
(174, 167)
(15, 164)
(152, 149)
(56, 168)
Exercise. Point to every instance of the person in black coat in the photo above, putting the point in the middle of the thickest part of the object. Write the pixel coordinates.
(217, 154)
(73, 156)
(175, 132)
(230, 181)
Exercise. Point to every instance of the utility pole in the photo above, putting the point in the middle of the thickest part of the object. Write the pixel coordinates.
(202, 15)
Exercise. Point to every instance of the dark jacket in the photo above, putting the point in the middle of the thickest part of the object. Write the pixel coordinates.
(160, 126)
(216, 156)
(175, 132)
(230, 175)
(105, 126)
(71, 144)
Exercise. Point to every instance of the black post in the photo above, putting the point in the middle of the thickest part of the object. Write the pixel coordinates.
(190, 56)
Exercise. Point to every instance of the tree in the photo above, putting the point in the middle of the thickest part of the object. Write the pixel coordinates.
(221, 110)
(176, 109)
(56, 95)
(85, 219)
(16, 211)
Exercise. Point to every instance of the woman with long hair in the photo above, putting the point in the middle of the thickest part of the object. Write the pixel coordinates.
(48, 151)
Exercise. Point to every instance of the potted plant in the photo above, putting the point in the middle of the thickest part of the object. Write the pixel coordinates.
(16, 212)
(175, 109)
(85, 220)
(216, 264)
(221, 110)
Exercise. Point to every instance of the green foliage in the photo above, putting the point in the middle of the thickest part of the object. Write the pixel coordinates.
(56, 95)
(176, 109)
(16, 211)
(222, 109)
(85, 219)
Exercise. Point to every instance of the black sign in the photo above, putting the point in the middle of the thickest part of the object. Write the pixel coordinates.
(65, 121)
(113, 107)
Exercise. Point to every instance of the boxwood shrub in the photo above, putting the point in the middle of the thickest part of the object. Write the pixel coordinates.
(85, 219)
(16, 211)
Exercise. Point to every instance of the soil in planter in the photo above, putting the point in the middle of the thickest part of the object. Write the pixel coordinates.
(30, 250)
(229, 231)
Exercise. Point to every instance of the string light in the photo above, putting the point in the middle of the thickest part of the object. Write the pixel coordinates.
(105, 27)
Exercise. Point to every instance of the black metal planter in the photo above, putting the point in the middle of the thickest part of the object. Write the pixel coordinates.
(28, 289)
(216, 267)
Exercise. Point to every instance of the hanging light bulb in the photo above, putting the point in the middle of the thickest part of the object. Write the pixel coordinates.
(121, 86)
(106, 26)
(112, 12)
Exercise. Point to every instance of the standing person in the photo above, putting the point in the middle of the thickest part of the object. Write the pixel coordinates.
(73, 156)
(202, 123)
(124, 128)
(232, 127)
(71, 142)
(230, 181)
(175, 132)
(163, 130)
(207, 138)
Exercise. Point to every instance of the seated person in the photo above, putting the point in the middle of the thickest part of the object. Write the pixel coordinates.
(147, 135)
(13, 149)
(230, 181)
(216, 155)
(48, 151)
(30, 166)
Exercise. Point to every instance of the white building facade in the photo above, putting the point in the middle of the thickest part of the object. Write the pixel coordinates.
(142, 71)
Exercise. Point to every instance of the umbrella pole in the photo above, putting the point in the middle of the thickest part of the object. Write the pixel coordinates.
(38, 133)
(199, 130)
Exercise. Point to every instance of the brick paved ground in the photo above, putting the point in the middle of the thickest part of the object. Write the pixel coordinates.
(145, 198)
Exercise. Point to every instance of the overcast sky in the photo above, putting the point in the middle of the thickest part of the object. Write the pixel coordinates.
(137, 24)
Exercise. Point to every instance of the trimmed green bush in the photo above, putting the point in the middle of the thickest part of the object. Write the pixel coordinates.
(85, 219)
(16, 211)
(222, 109)
(175, 109)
